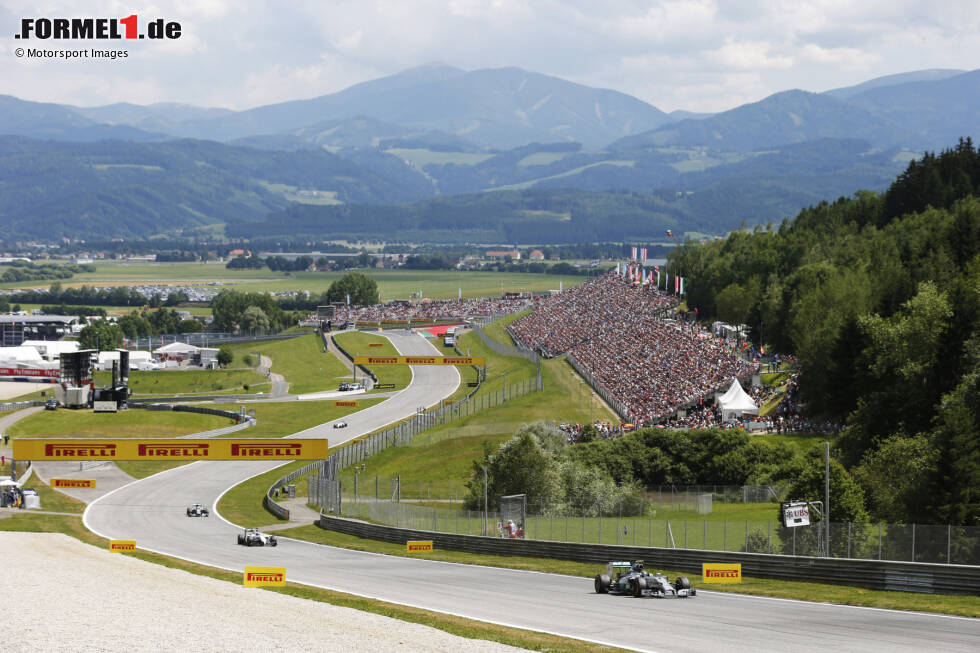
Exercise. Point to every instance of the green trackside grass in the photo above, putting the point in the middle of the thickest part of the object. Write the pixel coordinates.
(359, 344)
(526, 639)
(301, 361)
(52, 499)
(133, 423)
(393, 284)
(827, 593)
(243, 504)
(279, 419)
(186, 382)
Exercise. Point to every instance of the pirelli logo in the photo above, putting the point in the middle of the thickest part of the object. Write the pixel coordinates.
(721, 573)
(73, 483)
(347, 402)
(264, 577)
(199, 450)
(419, 360)
(418, 546)
(82, 450)
(376, 344)
(176, 449)
(122, 546)
(266, 450)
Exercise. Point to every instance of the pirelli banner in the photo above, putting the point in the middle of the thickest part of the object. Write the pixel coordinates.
(264, 577)
(182, 449)
(73, 483)
(419, 360)
(721, 572)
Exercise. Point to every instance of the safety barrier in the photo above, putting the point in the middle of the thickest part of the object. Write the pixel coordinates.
(870, 574)
(351, 358)
(271, 505)
(181, 408)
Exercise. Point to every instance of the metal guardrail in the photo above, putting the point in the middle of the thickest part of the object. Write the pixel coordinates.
(270, 503)
(517, 349)
(181, 408)
(16, 405)
(351, 358)
(871, 574)
(600, 389)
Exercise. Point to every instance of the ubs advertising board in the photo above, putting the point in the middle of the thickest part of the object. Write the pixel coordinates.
(183, 449)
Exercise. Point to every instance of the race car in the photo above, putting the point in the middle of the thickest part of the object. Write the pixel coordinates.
(197, 510)
(630, 578)
(340, 425)
(252, 537)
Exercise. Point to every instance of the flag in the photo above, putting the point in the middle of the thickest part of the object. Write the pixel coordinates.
(559, 285)
(682, 285)
(618, 271)
(634, 254)
(461, 293)
(643, 254)
(677, 284)
(658, 277)
(348, 299)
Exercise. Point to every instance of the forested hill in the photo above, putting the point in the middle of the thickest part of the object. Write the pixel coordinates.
(879, 296)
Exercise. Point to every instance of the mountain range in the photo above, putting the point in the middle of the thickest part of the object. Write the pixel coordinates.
(438, 130)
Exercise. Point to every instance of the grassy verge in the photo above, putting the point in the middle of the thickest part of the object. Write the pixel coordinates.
(357, 343)
(243, 504)
(183, 382)
(301, 361)
(52, 499)
(968, 606)
(454, 625)
(278, 419)
(133, 423)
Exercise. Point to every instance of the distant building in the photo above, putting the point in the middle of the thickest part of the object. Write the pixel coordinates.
(536, 255)
(514, 255)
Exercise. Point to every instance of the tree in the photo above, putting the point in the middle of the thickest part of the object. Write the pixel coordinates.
(254, 319)
(100, 335)
(895, 478)
(225, 357)
(362, 290)
(846, 496)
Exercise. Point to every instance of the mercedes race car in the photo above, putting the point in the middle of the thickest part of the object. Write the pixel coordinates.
(252, 537)
(630, 578)
(340, 425)
(197, 510)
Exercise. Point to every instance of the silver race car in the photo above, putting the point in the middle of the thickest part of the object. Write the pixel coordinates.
(630, 578)
(252, 537)
(197, 510)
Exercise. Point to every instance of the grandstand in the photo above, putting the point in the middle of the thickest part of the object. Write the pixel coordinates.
(616, 330)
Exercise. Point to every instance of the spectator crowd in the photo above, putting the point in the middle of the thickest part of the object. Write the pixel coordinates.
(428, 311)
(617, 331)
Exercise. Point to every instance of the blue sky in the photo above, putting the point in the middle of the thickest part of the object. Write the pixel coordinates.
(698, 55)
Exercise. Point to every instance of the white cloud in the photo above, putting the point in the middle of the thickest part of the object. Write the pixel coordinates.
(700, 55)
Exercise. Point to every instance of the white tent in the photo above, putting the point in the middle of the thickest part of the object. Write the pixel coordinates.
(176, 348)
(13, 355)
(735, 402)
(52, 349)
(138, 360)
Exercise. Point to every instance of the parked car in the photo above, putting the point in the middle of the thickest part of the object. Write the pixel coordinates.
(51, 404)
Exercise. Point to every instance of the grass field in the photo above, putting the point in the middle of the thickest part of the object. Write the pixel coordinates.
(301, 361)
(393, 284)
(53, 500)
(243, 504)
(182, 382)
(279, 419)
(132, 423)
(356, 343)
(442, 457)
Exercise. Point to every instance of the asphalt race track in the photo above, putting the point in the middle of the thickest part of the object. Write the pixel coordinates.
(151, 511)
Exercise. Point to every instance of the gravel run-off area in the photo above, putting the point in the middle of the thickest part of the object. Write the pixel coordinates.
(64, 595)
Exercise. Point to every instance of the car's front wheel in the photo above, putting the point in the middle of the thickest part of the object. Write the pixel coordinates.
(602, 582)
(639, 584)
